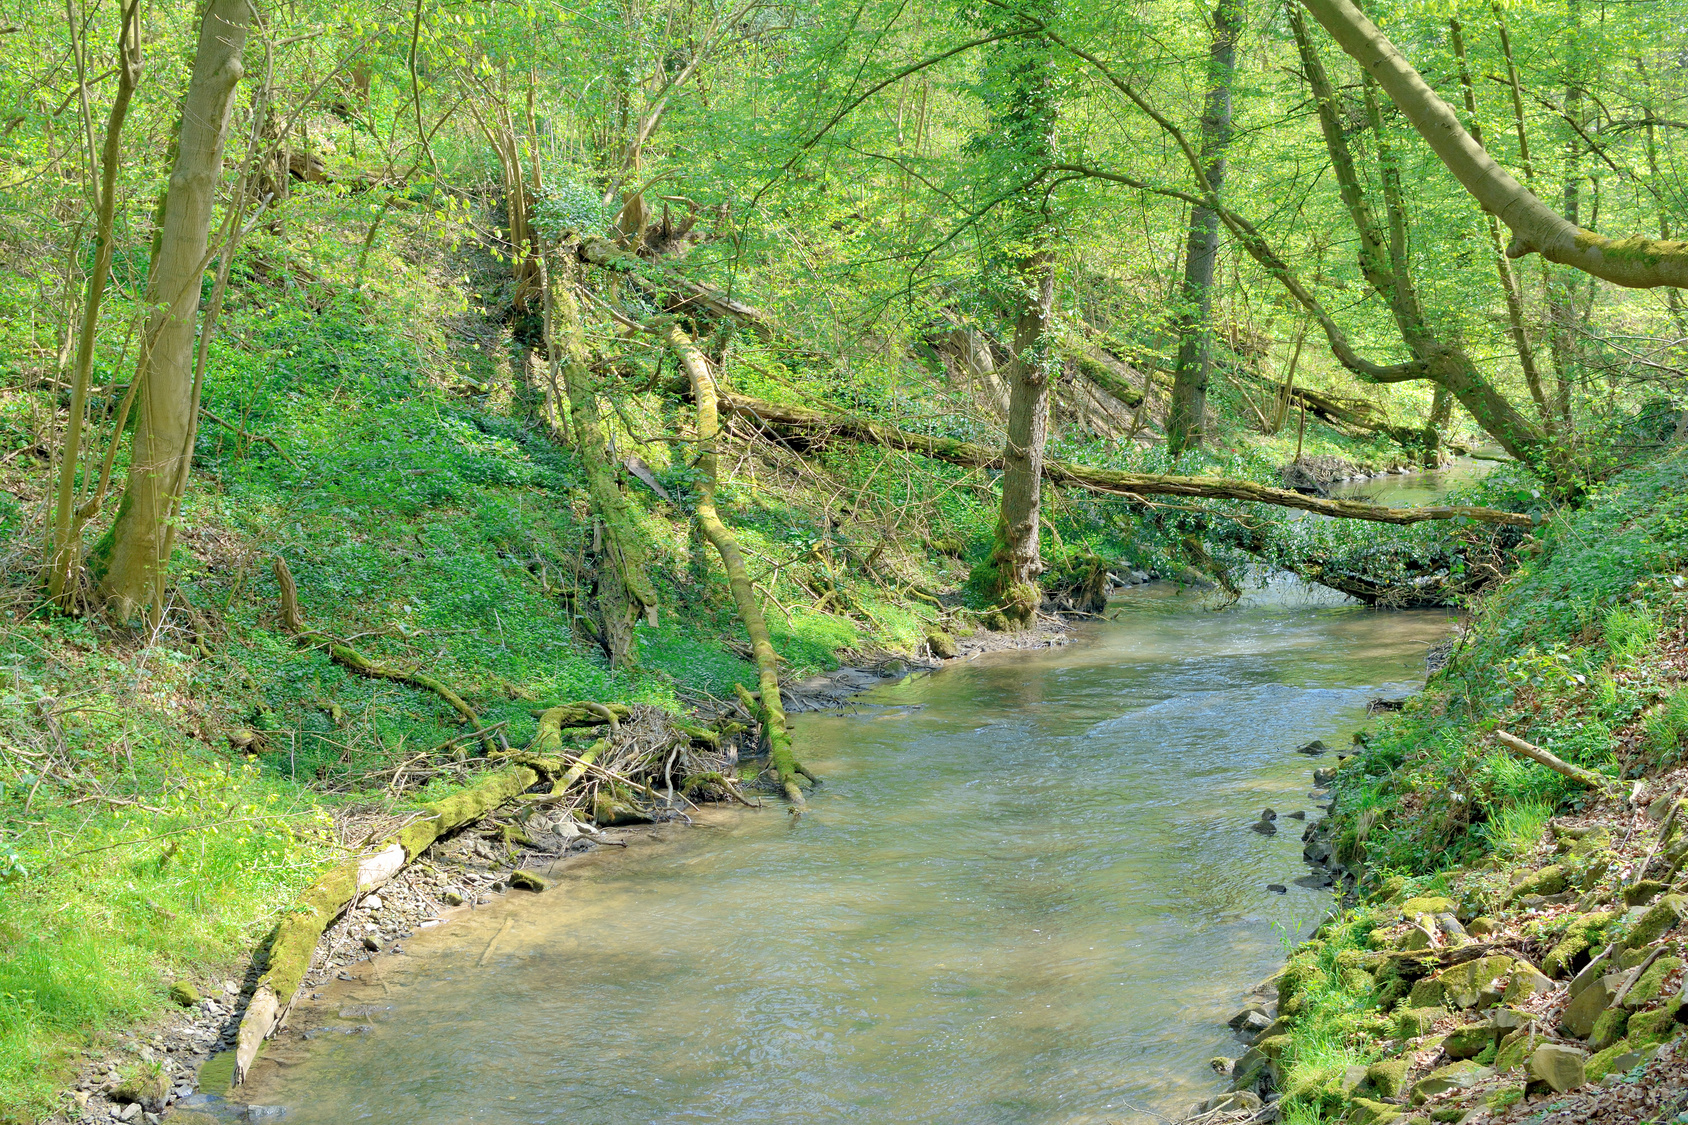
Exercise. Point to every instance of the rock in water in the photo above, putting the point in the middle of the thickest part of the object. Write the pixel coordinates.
(1265, 827)
(1268, 814)
(372, 943)
(1299, 814)
(528, 881)
(1312, 749)
(1277, 888)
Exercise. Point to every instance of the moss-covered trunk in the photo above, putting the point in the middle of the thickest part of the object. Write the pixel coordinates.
(770, 709)
(625, 592)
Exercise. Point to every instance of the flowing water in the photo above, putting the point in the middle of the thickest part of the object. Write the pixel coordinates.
(1028, 892)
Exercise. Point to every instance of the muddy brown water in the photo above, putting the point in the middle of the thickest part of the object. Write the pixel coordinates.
(1027, 893)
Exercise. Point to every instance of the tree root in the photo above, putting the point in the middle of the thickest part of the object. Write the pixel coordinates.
(353, 660)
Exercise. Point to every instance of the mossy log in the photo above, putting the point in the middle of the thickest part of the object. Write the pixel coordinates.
(296, 936)
(770, 712)
(785, 417)
(554, 720)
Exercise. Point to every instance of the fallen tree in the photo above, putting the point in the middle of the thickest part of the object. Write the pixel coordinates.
(783, 418)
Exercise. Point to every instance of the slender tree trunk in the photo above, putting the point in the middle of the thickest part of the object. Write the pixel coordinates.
(1195, 331)
(1022, 73)
(1503, 265)
(1387, 268)
(1637, 263)
(1435, 426)
(770, 708)
(64, 555)
(131, 554)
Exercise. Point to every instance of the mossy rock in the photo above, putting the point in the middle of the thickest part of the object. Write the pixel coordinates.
(1550, 880)
(1454, 1076)
(1482, 926)
(1500, 1099)
(1387, 1076)
(1525, 982)
(1659, 920)
(1601, 1064)
(1656, 1026)
(1427, 993)
(941, 644)
(1364, 1111)
(1652, 982)
(184, 993)
(1515, 1048)
(1273, 1047)
(1298, 978)
(529, 881)
(1413, 1022)
(1609, 1027)
(1428, 904)
(1470, 1041)
(1390, 889)
(1577, 938)
(1463, 986)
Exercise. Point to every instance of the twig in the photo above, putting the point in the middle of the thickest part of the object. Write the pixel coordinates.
(1536, 754)
(251, 436)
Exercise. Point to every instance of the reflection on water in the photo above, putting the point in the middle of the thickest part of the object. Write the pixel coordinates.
(1027, 893)
(1410, 490)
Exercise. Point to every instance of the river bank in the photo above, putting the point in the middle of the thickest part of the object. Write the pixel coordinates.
(1515, 949)
(184, 1063)
(961, 868)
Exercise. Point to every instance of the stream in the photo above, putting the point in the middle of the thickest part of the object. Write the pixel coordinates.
(1027, 893)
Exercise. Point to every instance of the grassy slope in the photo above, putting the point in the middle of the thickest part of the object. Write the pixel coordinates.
(1581, 651)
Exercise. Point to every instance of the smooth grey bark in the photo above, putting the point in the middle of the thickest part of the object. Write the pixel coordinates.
(1201, 247)
(130, 557)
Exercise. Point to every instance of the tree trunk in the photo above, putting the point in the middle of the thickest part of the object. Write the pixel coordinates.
(1636, 262)
(1015, 557)
(1019, 134)
(129, 557)
(1503, 265)
(770, 708)
(822, 423)
(1387, 268)
(64, 554)
(1195, 333)
(1441, 409)
(624, 587)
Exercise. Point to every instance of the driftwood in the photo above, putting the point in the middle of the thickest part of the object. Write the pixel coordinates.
(784, 417)
(1558, 765)
(295, 940)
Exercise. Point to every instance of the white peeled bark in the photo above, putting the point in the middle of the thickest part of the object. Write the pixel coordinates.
(1635, 262)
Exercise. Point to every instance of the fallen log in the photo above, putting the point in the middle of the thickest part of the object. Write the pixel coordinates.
(1553, 762)
(296, 937)
(784, 417)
